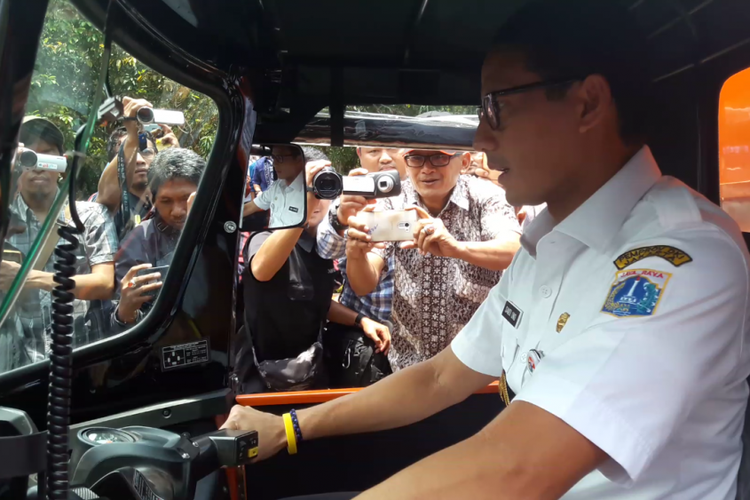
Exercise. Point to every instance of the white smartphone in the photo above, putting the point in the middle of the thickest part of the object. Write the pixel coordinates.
(390, 225)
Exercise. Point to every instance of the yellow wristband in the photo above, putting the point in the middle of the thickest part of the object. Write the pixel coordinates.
(291, 438)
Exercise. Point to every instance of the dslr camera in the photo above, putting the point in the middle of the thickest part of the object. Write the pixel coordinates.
(329, 184)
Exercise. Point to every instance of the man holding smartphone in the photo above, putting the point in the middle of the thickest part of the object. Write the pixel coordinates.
(466, 235)
(173, 177)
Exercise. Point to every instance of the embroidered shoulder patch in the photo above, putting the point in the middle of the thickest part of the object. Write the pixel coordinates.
(673, 255)
(636, 292)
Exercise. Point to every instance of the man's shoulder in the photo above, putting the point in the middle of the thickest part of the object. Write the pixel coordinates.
(90, 213)
(482, 190)
(672, 208)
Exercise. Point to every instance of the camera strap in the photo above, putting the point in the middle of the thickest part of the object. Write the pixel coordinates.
(125, 196)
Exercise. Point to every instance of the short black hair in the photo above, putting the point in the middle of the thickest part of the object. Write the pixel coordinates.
(314, 154)
(34, 129)
(175, 163)
(114, 138)
(578, 38)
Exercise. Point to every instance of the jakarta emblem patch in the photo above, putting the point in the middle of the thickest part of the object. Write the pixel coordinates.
(635, 292)
(673, 255)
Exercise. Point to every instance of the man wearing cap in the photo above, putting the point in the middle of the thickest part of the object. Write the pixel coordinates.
(95, 270)
(466, 235)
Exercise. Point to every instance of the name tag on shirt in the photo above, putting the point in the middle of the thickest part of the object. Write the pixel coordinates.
(512, 314)
(294, 209)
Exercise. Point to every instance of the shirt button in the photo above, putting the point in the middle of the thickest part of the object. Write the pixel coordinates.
(545, 291)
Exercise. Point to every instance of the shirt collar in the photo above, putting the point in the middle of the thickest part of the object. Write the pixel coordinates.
(459, 196)
(596, 222)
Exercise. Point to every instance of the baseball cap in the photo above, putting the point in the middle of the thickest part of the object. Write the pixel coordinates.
(33, 127)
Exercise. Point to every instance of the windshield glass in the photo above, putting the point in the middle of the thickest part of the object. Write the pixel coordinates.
(133, 189)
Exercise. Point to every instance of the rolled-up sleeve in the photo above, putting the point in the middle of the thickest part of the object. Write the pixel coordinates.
(330, 244)
(100, 238)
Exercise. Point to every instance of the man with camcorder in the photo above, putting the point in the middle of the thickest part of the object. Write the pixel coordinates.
(94, 281)
(123, 185)
(143, 259)
(457, 234)
(332, 245)
(288, 289)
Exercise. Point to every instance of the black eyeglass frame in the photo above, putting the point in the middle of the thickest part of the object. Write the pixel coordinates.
(490, 109)
(426, 157)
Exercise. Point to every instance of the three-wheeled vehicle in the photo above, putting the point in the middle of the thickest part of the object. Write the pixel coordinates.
(145, 401)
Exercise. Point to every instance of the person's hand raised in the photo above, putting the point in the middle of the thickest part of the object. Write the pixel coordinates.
(431, 236)
(351, 205)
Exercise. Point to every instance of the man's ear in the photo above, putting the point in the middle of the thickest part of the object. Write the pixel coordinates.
(595, 101)
(359, 152)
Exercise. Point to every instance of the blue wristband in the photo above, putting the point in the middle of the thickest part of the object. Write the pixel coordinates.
(295, 424)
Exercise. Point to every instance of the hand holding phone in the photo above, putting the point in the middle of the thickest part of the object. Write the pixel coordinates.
(390, 225)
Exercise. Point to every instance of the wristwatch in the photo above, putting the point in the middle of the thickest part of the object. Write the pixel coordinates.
(333, 217)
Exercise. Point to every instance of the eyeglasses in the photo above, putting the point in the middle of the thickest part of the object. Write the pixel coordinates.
(280, 158)
(490, 109)
(436, 160)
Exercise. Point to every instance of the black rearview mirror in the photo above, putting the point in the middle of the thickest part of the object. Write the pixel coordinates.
(282, 204)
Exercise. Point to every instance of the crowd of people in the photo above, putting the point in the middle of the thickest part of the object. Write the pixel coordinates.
(131, 228)
(399, 303)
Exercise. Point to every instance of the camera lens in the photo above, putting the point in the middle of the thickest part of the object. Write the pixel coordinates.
(327, 184)
(27, 159)
(145, 115)
(385, 184)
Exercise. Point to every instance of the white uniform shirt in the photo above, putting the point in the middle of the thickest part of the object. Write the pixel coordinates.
(286, 202)
(643, 353)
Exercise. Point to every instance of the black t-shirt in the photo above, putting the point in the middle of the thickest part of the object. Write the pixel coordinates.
(285, 314)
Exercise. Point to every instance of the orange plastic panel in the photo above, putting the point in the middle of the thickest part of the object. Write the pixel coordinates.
(312, 397)
(734, 148)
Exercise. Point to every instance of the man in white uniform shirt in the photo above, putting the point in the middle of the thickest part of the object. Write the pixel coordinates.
(285, 198)
(622, 324)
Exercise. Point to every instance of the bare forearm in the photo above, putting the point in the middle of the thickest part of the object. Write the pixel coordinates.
(339, 313)
(250, 208)
(495, 255)
(88, 286)
(110, 192)
(409, 395)
(274, 253)
(363, 273)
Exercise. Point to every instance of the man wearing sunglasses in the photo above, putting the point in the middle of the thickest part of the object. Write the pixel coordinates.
(466, 235)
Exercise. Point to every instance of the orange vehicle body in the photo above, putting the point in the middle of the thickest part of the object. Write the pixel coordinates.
(734, 148)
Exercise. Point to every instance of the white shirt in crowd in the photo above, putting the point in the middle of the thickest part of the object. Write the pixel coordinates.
(286, 202)
(629, 321)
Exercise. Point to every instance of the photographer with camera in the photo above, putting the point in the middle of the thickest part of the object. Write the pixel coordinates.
(332, 245)
(123, 189)
(173, 179)
(94, 281)
(287, 290)
(466, 235)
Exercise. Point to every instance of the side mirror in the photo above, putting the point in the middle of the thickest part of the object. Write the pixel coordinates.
(284, 203)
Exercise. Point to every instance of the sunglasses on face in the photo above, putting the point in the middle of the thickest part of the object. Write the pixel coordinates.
(436, 160)
(490, 108)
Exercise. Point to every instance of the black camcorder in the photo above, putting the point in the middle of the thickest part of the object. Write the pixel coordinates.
(329, 184)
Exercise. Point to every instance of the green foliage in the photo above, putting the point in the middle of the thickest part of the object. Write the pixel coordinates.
(64, 80)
